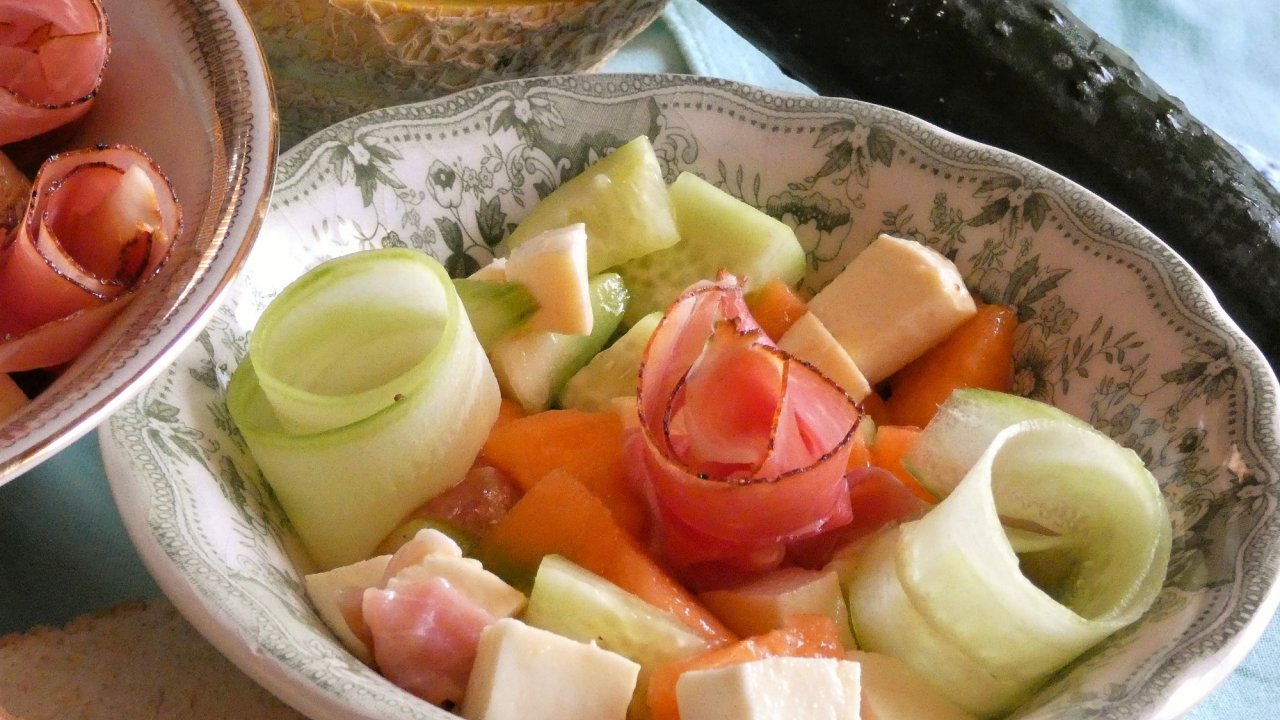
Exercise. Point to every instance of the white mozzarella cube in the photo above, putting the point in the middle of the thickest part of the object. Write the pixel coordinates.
(776, 688)
(323, 589)
(552, 266)
(431, 553)
(809, 340)
(523, 673)
(894, 301)
(495, 271)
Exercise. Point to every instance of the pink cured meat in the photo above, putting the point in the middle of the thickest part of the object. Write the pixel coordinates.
(743, 447)
(99, 225)
(52, 56)
(476, 504)
(424, 637)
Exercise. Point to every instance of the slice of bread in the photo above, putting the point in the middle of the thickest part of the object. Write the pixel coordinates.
(137, 661)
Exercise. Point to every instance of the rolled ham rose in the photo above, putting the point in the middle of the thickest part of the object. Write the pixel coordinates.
(52, 55)
(99, 225)
(741, 448)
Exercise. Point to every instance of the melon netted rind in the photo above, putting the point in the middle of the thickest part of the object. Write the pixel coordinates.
(333, 59)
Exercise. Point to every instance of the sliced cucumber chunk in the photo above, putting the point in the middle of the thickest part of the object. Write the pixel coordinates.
(623, 201)
(574, 602)
(494, 307)
(533, 366)
(613, 372)
(717, 231)
(963, 428)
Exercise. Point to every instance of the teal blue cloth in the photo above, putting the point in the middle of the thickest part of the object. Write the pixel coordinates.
(63, 548)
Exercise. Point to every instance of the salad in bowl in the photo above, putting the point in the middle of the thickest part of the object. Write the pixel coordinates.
(762, 392)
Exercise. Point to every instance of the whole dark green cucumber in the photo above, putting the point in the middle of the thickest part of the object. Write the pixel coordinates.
(1028, 76)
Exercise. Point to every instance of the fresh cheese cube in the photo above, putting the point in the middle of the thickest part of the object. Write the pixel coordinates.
(523, 673)
(323, 589)
(495, 271)
(776, 688)
(430, 542)
(809, 340)
(893, 691)
(552, 266)
(894, 301)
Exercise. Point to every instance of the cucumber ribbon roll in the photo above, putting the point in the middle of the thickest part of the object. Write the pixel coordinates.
(364, 394)
(952, 594)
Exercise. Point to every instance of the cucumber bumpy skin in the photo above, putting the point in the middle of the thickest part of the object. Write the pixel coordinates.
(1032, 78)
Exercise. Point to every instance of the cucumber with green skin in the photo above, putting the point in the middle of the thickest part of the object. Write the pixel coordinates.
(1029, 77)
(494, 307)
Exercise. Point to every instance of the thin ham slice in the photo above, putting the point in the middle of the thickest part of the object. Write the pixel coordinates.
(742, 447)
(425, 637)
(99, 226)
(52, 56)
(476, 504)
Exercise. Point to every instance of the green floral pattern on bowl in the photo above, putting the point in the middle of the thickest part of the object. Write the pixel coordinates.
(1113, 327)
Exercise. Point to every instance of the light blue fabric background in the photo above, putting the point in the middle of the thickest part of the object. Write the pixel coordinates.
(63, 549)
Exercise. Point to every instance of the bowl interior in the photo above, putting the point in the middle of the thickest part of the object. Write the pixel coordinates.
(1113, 327)
(186, 84)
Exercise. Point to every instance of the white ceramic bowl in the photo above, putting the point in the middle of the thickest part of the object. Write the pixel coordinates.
(1115, 328)
(187, 84)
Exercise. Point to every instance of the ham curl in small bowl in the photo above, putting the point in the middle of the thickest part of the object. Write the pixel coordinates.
(98, 226)
(52, 56)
